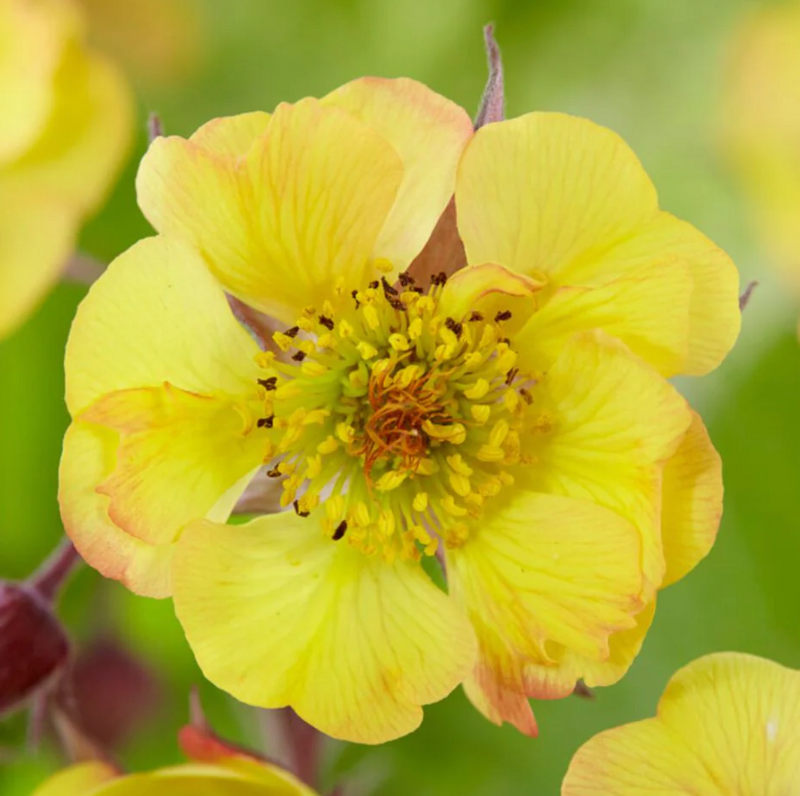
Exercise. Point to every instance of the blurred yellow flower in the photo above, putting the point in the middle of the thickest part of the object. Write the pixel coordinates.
(233, 776)
(727, 725)
(762, 126)
(66, 126)
(513, 420)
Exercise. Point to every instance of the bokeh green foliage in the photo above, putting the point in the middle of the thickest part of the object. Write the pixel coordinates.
(652, 71)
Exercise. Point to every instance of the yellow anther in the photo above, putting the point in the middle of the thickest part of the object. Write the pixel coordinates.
(488, 337)
(407, 375)
(478, 390)
(286, 468)
(316, 417)
(425, 303)
(307, 503)
(382, 366)
(386, 524)
(313, 466)
(511, 400)
(371, 317)
(506, 361)
(345, 432)
(460, 484)
(448, 336)
(490, 487)
(415, 327)
(474, 499)
(448, 503)
(309, 311)
(432, 547)
(420, 502)
(543, 423)
(455, 433)
(420, 534)
(345, 329)
(326, 340)
(289, 389)
(334, 508)
(306, 346)
(490, 453)
(506, 478)
(456, 535)
(327, 308)
(313, 368)
(390, 480)
(269, 451)
(512, 447)
(498, 433)
(361, 514)
(329, 445)
(306, 324)
(457, 463)
(264, 359)
(358, 379)
(473, 360)
(366, 350)
(283, 341)
(383, 265)
(399, 342)
(287, 497)
(427, 467)
(480, 413)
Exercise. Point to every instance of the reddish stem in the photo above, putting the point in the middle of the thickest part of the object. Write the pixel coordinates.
(304, 745)
(47, 581)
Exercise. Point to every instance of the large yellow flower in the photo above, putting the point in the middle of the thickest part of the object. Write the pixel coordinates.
(231, 776)
(513, 420)
(66, 117)
(727, 725)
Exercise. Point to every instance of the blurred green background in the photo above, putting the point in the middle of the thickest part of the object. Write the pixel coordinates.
(652, 71)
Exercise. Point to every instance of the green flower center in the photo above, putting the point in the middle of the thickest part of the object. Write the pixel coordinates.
(394, 420)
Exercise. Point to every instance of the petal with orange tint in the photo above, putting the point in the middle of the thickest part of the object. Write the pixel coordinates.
(542, 570)
(31, 262)
(286, 226)
(429, 133)
(607, 424)
(355, 645)
(692, 502)
(648, 310)
(726, 724)
(157, 315)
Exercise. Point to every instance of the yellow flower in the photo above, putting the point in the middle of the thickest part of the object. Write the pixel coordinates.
(727, 725)
(513, 420)
(66, 116)
(231, 776)
(762, 126)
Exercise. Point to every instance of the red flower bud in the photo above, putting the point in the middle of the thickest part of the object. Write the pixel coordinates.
(33, 645)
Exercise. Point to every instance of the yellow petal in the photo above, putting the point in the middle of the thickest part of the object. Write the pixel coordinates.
(286, 225)
(231, 136)
(555, 194)
(31, 262)
(178, 454)
(543, 570)
(88, 459)
(278, 615)
(78, 780)
(615, 422)
(542, 191)
(727, 724)
(692, 502)
(157, 315)
(428, 132)
(648, 310)
(489, 289)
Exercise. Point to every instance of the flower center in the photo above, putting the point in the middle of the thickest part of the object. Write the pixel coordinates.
(395, 419)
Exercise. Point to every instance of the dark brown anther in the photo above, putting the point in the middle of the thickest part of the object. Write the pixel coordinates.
(274, 473)
(503, 315)
(326, 322)
(454, 326)
(292, 332)
(438, 279)
(416, 289)
(526, 396)
(504, 340)
(354, 294)
(297, 511)
(405, 279)
(511, 375)
(265, 422)
(374, 284)
(299, 356)
(475, 316)
(387, 288)
(269, 384)
(396, 304)
(340, 531)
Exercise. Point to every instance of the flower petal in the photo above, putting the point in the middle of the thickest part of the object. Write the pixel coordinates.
(77, 780)
(648, 310)
(30, 262)
(429, 133)
(231, 136)
(157, 316)
(543, 570)
(555, 194)
(610, 422)
(692, 502)
(88, 459)
(277, 615)
(727, 723)
(299, 216)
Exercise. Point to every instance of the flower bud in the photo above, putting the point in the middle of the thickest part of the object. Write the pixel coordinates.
(33, 645)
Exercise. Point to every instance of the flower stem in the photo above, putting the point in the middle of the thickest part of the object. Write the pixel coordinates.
(304, 744)
(48, 580)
